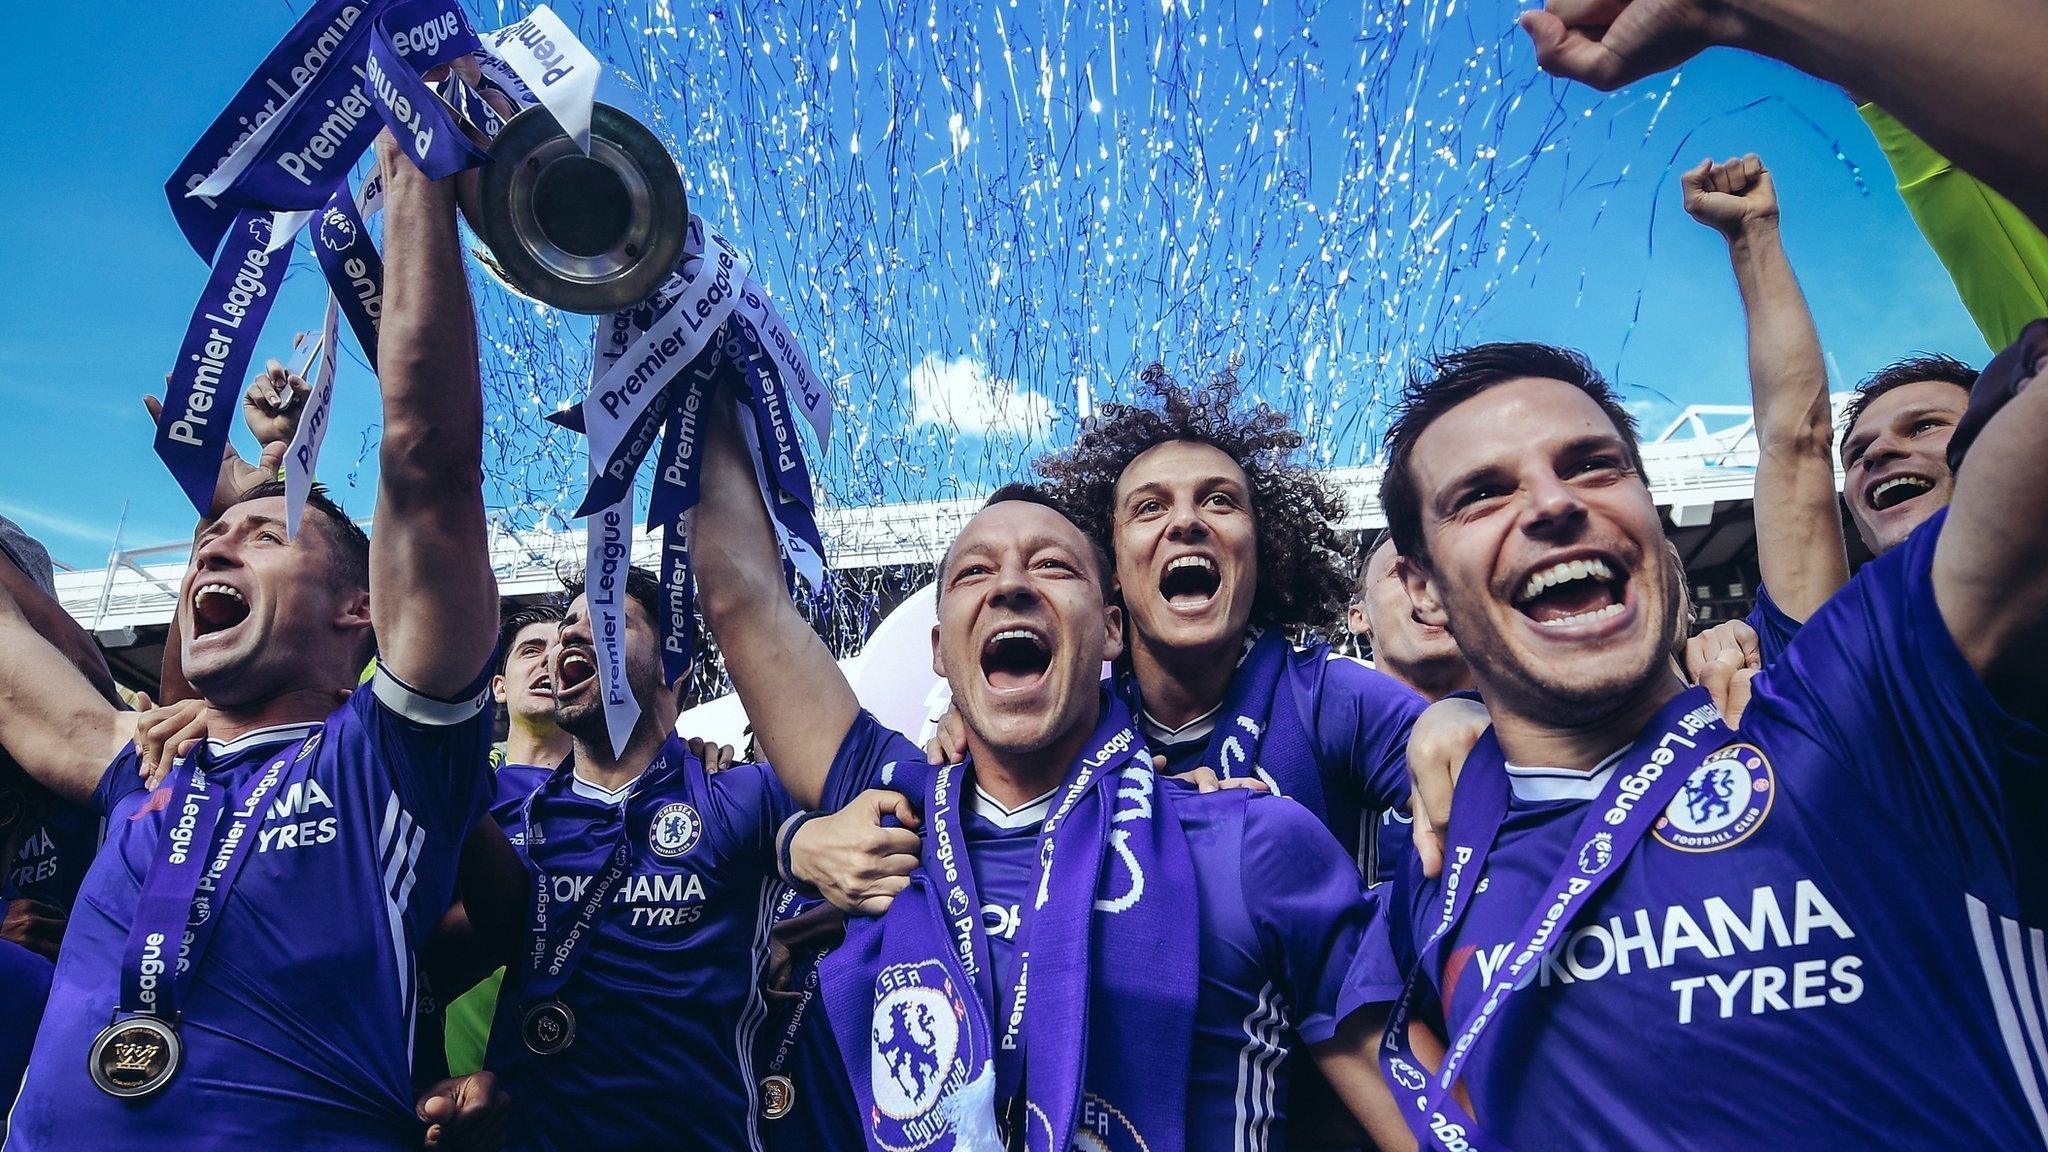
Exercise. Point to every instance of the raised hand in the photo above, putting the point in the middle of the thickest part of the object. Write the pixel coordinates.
(854, 860)
(1609, 43)
(1732, 196)
(271, 408)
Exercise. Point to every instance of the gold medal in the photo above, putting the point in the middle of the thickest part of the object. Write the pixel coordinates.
(778, 1096)
(135, 1057)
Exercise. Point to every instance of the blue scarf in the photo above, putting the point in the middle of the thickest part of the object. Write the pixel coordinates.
(1254, 735)
(1106, 974)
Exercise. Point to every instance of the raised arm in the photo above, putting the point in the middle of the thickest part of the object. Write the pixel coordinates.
(1993, 550)
(1798, 525)
(1966, 77)
(53, 721)
(432, 596)
(795, 695)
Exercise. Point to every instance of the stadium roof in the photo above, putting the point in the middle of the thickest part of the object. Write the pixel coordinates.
(1702, 473)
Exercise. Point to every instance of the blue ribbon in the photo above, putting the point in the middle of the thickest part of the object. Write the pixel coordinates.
(354, 270)
(200, 401)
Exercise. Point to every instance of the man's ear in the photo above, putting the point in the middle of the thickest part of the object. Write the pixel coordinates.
(938, 655)
(354, 613)
(1422, 594)
(1355, 622)
(497, 689)
(1113, 642)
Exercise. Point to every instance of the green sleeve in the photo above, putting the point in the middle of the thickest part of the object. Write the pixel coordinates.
(466, 1025)
(1995, 255)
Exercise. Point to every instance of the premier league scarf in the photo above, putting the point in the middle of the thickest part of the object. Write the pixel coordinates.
(1104, 1002)
(1253, 734)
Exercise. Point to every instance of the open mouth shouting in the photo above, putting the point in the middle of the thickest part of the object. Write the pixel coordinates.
(1190, 583)
(1571, 593)
(216, 608)
(544, 686)
(1016, 658)
(573, 669)
(1884, 494)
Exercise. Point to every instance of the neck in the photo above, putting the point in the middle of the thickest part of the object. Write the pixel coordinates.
(596, 764)
(1179, 684)
(1528, 737)
(295, 706)
(1433, 681)
(1016, 780)
(536, 742)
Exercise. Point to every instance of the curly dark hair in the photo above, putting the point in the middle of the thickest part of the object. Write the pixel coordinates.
(1304, 577)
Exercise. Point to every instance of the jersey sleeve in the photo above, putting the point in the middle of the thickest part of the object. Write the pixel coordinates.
(437, 752)
(1877, 680)
(1774, 629)
(750, 806)
(1362, 719)
(1995, 255)
(122, 776)
(1309, 908)
(872, 756)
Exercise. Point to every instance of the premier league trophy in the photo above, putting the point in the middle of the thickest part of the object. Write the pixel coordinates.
(577, 205)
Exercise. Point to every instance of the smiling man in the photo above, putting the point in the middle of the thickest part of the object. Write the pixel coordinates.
(1224, 542)
(241, 962)
(1895, 440)
(1172, 940)
(1627, 877)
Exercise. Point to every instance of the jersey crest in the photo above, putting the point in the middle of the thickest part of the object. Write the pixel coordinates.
(674, 830)
(1722, 802)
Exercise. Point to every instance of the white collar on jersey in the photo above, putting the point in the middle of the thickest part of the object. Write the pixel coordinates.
(1196, 729)
(275, 734)
(599, 792)
(1031, 814)
(1538, 785)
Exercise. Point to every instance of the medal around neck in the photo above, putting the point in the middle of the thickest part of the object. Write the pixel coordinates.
(549, 1028)
(778, 1096)
(135, 1057)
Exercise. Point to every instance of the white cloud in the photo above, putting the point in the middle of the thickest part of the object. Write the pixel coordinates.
(960, 393)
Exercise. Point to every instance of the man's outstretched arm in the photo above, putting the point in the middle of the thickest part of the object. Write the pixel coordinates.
(1993, 551)
(1966, 77)
(432, 596)
(53, 721)
(1798, 527)
(795, 695)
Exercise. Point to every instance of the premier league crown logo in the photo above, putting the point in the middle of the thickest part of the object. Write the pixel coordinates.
(337, 231)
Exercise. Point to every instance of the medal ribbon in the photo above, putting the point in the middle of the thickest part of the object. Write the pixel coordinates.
(1677, 740)
(192, 867)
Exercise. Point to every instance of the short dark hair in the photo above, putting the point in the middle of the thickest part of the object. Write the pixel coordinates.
(641, 585)
(351, 543)
(1303, 574)
(1914, 369)
(518, 619)
(1453, 377)
(1020, 492)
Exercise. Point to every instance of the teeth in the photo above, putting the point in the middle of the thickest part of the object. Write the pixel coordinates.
(1564, 573)
(1584, 617)
(1201, 562)
(216, 589)
(1896, 481)
(1013, 634)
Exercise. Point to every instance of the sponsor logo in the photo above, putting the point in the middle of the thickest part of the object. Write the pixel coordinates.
(1722, 803)
(674, 830)
(1405, 1074)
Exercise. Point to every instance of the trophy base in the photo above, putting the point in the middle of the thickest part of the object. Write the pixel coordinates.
(592, 234)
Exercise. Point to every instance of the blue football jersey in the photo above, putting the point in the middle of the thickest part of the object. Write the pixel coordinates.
(1357, 720)
(666, 988)
(1820, 943)
(1282, 914)
(24, 988)
(511, 784)
(1774, 629)
(299, 1018)
(54, 855)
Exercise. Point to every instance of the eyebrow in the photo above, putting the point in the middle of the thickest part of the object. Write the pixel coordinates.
(1577, 446)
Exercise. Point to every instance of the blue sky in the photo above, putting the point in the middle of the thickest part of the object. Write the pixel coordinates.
(974, 216)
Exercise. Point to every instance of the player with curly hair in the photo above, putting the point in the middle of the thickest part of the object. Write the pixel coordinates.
(1225, 547)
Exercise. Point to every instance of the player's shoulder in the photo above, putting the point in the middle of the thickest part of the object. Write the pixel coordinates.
(1334, 678)
(1242, 816)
